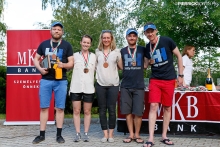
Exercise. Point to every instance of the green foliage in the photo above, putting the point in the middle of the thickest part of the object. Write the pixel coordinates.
(2, 116)
(194, 22)
(68, 108)
(2, 35)
(3, 89)
(81, 17)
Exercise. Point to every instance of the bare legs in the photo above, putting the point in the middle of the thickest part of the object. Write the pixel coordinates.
(152, 120)
(133, 123)
(76, 115)
(43, 118)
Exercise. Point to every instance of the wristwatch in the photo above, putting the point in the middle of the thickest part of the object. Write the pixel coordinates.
(181, 76)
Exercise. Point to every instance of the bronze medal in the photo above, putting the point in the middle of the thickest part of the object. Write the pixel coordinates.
(133, 63)
(86, 70)
(151, 61)
(105, 65)
(54, 57)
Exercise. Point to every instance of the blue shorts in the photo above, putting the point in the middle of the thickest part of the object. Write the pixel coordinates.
(59, 87)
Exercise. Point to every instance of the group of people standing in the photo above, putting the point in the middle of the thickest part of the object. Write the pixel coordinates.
(104, 64)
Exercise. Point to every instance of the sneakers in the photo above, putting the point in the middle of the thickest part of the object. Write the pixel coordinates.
(38, 139)
(110, 140)
(85, 137)
(60, 139)
(103, 140)
(77, 137)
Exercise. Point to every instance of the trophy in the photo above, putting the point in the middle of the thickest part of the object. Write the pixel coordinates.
(45, 63)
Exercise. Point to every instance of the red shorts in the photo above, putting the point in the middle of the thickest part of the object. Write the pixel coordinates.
(161, 91)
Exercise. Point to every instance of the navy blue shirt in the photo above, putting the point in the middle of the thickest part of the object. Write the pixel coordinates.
(163, 67)
(64, 51)
(133, 76)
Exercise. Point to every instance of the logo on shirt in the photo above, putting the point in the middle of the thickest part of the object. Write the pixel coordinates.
(128, 60)
(59, 54)
(160, 57)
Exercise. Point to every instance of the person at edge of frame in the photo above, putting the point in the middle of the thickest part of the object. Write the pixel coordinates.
(61, 55)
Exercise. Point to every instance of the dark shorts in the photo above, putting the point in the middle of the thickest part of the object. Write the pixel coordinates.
(132, 101)
(82, 96)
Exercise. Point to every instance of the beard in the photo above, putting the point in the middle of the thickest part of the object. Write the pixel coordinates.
(56, 37)
(132, 43)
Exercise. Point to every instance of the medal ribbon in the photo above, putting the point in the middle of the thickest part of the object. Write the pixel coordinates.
(133, 56)
(106, 56)
(155, 46)
(86, 60)
(54, 49)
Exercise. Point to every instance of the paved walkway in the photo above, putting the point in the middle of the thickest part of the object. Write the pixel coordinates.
(22, 136)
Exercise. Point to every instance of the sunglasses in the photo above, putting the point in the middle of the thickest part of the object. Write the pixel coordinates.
(106, 31)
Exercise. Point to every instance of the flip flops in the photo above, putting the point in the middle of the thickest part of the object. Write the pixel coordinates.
(165, 141)
(149, 143)
(137, 140)
(129, 140)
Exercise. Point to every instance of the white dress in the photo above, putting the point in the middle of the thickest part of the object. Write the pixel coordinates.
(188, 69)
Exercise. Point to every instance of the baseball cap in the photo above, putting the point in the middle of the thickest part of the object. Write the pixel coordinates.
(57, 24)
(149, 26)
(131, 30)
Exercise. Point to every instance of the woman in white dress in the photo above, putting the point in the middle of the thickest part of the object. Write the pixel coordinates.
(187, 55)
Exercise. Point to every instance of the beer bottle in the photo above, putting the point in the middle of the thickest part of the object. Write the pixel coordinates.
(58, 71)
(208, 81)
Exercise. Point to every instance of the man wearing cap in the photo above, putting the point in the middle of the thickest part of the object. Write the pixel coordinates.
(160, 52)
(60, 54)
(132, 85)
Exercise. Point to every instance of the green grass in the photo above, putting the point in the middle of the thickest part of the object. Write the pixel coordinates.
(2, 116)
(81, 115)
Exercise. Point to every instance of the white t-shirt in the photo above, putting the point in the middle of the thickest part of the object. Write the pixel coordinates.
(188, 69)
(107, 76)
(83, 82)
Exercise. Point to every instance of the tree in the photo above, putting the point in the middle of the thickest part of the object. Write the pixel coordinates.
(187, 22)
(89, 17)
(2, 35)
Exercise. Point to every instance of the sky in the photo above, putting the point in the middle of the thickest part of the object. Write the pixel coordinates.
(24, 14)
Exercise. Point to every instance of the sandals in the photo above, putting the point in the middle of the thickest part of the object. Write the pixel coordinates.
(137, 140)
(165, 141)
(149, 143)
(129, 140)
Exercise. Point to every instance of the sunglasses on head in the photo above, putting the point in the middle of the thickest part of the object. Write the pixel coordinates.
(106, 31)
